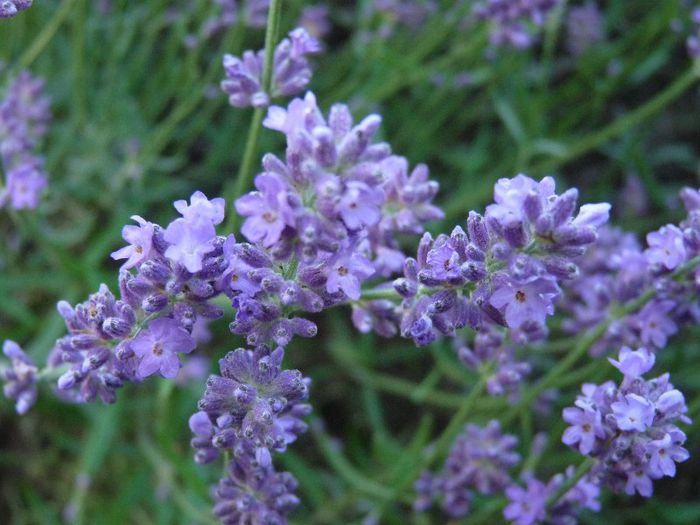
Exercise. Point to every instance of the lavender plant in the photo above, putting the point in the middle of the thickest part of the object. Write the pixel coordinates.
(493, 317)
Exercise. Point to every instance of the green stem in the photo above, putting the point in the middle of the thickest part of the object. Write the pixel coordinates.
(344, 469)
(636, 117)
(41, 41)
(587, 342)
(245, 172)
(457, 422)
(583, 469)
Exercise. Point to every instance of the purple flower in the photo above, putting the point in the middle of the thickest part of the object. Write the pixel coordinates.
(24, 115)
(291, 71)
(586, 425)
(267, 210)
(157, 347)
(346, 273)
(189, 242)
(664, 454)
(639, 481)
(201, 208)
(25, 182)
(584, 28)
(359, 205)
(140, 239)
(21, 378)
(9, 8)
(314, 19)
(478, 461)
(527, 506)
(243, 81)
(634, 413)
(655, 324)
(529, 301)
(666, 247)
(634, 363)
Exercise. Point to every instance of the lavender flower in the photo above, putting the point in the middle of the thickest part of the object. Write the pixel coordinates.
(584, 28)
(9, 8)
(255, 401)
(630, 429)
(24, 115)
(617, 271)
(513, 21)
(157, 347)
(505, 269)
(329, 215)
(254, 493)
(315, 21)
(140, 239)
(166, 283)
(528, 506)
(20, 379)
(478, 461)
(291, 71)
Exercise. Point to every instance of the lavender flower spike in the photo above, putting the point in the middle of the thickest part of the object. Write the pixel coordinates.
(24, 114)
(630, 429)
(9, 8)
(291, 71)
(20, 379)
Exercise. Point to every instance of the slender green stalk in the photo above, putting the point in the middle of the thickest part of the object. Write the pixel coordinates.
(583, 469)
(50, 29)
(245, 172)
(345, 470)
(636, 117)
(444, 441)
(587, 342)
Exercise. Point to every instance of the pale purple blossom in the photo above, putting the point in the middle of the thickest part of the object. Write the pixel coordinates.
(666, 247)
(189, 242)
(530, 301)
(157, 347)
(140, 239)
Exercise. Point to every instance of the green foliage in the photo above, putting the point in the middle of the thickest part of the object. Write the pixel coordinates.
(135, 128)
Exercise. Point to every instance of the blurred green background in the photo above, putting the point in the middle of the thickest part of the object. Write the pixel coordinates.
(139, 122)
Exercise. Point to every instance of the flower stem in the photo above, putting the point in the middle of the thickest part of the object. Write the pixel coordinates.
(587, 342)
(41, 41)
(583, 469)
(245, 171)
(636, 117)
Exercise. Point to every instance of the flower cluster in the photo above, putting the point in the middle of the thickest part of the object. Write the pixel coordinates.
(21, 378)
(9, 8)
(253, 408)
(617, 272)
(528, 506)
(491, 345)
(584, 28)
(24, 115)
(335, 206)
(291, 71)
(630, 429)
(512, 20)
(504, 270)
(478, 461)
(253, 493)
(169, 276)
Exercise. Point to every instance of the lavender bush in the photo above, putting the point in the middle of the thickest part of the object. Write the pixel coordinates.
(340, 333)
